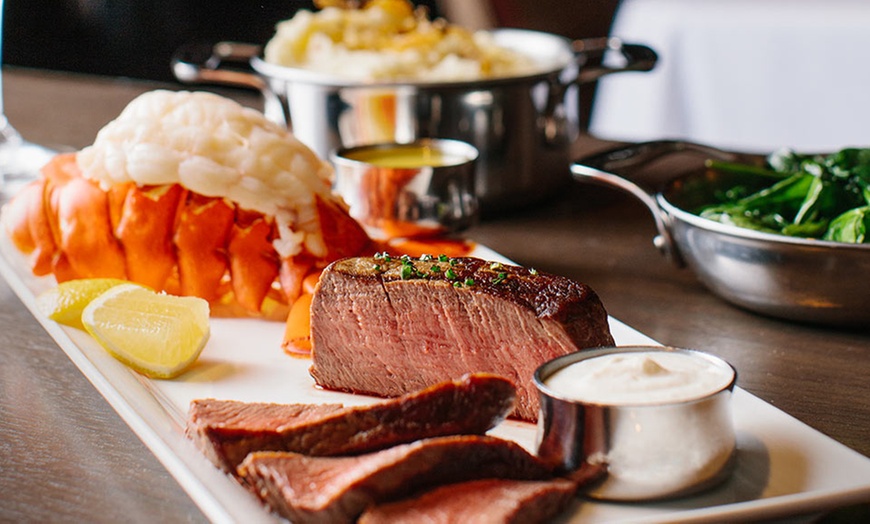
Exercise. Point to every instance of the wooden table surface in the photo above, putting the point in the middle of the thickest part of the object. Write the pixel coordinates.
(67, 456)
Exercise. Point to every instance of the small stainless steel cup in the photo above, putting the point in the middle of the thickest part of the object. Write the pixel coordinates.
(396, 198)
(649, 451)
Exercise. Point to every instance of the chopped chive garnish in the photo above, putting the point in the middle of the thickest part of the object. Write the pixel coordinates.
(442, 258)
(533, 271)
(495, 265)
(469, 281)
(407, 272)
(457, 284)
(450, 274)
(435, 269)
(377, 267)
(426, 258)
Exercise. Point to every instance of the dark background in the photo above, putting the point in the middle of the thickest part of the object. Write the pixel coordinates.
(134, 38)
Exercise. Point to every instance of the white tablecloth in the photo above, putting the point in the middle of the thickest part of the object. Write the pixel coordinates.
(751, 75)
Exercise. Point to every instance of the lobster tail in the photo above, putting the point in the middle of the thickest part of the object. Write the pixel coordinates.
(170, 239)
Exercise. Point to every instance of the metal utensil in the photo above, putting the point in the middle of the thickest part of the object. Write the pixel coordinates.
(799, 279)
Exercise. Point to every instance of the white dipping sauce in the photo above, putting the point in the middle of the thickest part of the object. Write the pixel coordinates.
(668, 419)
(640, 378)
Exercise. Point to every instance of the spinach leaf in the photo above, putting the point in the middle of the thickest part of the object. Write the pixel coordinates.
(812, 196)
(851, 226)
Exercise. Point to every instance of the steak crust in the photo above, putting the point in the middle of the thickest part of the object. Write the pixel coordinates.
(228, 430)
(388, 326)
(308, 489)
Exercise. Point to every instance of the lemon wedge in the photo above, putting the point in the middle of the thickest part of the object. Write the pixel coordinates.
(65, 302)
(156, 334)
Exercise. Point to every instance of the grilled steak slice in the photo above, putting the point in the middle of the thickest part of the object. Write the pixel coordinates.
(338, 489)
(228, 430)
(489, 501)
(386, 327)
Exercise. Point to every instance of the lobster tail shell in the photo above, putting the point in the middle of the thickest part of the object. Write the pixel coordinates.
(28, 227)
(169, 238)
(84, 236)
(145, 229)
(254, 264)
(202, 231)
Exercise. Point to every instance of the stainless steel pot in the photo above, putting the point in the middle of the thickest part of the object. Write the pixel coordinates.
(805, 280)
(523, 126)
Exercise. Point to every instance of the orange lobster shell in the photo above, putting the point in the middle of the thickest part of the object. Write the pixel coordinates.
(171, 239)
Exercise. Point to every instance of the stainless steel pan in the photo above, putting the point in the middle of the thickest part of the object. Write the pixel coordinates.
(522, 126)
(804, 280)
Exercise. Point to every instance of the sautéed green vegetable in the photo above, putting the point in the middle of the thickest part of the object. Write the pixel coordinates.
(811, 196)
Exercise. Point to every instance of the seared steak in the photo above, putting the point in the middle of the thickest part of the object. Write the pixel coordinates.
(337, 489)
(228, 430)
(489, 501)
(386, 326)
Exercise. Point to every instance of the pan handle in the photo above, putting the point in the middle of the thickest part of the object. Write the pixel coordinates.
(600, 167)
(633, 155)
(664, 241)
(204, 64)
(635, 57)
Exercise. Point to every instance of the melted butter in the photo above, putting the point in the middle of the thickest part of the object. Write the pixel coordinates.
(406, 157)
(638, 378)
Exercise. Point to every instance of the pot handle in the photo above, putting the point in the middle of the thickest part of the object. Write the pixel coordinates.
(204, 64)
(636, 57)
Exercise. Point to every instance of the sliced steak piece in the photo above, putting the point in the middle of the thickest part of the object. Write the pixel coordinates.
(386, 327)
(228, 430)
(337, 489)
(488, 501)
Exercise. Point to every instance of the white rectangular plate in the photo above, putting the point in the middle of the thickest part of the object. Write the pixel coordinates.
(783, 467)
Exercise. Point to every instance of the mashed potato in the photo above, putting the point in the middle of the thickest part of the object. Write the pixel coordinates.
(389, 40)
